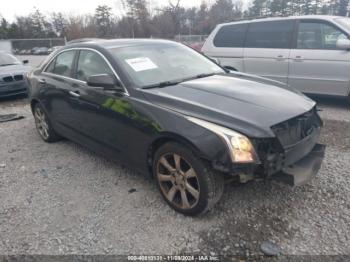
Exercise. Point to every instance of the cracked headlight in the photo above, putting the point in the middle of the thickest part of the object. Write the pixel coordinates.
(239, 146)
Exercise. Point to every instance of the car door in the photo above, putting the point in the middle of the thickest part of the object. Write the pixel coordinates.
(58, 81)
(267, 48)
(103, 113)
(316, 64)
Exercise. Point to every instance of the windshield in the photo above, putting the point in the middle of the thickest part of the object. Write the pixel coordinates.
(344, 22)
(149, 65)
(8, 59)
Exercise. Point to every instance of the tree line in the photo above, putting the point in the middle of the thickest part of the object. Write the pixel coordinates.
(137, 19)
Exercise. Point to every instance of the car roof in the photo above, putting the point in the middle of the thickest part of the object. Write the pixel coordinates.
(116, 43)
(277, 18)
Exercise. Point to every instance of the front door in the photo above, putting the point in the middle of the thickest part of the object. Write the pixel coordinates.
(316, 65)
(102, 113)
(267, 48)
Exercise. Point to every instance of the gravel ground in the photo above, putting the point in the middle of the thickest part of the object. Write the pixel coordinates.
(63, 199)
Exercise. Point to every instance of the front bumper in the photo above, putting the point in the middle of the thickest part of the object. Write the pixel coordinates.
(303, 170)
(13, 89)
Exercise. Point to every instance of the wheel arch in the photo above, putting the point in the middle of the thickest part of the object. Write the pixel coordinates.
(33, 102)
(167, 137)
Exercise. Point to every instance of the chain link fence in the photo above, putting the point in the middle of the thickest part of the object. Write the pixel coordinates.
(36, 46)
(194, 41)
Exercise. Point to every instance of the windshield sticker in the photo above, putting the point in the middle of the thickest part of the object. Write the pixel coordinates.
(141, 64)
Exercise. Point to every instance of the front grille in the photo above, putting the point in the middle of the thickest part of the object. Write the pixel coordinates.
(8, 79)
(18, 77)
(293, 130)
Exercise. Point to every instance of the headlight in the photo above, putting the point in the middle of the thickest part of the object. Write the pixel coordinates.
(239, 146)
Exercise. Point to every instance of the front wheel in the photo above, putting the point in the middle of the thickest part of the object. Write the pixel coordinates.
(184, 181)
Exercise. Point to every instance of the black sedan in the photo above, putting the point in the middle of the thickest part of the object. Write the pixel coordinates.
(12, 73)
(167, 110)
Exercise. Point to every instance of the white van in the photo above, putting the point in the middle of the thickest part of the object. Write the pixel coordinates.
(310, 53)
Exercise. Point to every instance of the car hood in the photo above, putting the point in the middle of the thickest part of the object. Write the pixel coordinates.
(13, 69)
(249, 107)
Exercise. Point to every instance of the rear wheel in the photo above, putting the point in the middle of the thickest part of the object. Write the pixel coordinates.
(43, 125)
(184, 181)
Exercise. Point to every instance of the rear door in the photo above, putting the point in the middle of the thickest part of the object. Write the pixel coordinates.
(267, 48)
(57, 77)
(316, 64)
(227, 45)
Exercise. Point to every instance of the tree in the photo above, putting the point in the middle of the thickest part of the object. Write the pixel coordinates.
(3, 27)
(256, 9)
(341, 7)
(38, 24)
(225, 11)
(103, 16)
(59, 24)
(202, 23)
(137, 19)
(281, 7)
(166, 22)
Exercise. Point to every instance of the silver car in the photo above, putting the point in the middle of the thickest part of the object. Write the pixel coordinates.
(310, 53)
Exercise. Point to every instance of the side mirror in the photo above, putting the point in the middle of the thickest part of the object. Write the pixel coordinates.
(105, 81)
(25, 62)
(343, 44)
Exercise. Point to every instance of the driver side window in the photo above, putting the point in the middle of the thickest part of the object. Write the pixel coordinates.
(91, 63)
(317, 35)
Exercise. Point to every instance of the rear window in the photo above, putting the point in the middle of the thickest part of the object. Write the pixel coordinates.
(231, 36)
(272, 34)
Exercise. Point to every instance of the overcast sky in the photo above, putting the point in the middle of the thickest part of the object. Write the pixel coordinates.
(11, 8)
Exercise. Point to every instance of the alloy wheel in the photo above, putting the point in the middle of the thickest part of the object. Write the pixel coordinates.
(178, 181)
(41, 123)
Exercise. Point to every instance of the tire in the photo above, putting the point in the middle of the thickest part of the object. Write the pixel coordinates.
(185, 181)
(43, 125)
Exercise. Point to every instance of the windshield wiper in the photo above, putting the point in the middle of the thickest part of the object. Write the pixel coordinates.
(172, 83)
(162, 84)
(204, 75)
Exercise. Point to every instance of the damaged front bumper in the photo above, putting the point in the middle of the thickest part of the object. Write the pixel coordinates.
(303, 170)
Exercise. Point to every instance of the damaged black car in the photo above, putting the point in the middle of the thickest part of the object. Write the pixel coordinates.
(165, 109)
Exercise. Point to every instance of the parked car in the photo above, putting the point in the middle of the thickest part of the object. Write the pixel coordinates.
(163, 108)
(12, 73)
(309, 53)
(41, 51)
(34, 49)
(196, 46)
(53, 49)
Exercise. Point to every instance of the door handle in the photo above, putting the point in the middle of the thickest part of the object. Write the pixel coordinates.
(298, 58)
(74, 93)
(280, 58)
(42, 81)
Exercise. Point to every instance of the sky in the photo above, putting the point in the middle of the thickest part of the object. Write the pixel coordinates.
(12, 8)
